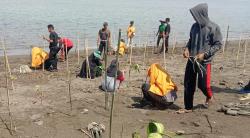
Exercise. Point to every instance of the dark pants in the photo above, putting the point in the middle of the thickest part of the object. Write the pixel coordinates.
(51, 62)
(102, 46)
(158, 40)
(204, 79)
(166, 45)
(162, 101)
(66, 51)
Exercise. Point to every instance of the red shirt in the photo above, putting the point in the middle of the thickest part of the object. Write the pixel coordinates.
(66, 42)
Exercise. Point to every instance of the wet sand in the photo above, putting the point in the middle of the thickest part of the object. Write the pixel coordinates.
(58, 121)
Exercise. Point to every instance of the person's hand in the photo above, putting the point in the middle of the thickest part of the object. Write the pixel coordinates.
(200, 56)
(44, 37)
(186, 53)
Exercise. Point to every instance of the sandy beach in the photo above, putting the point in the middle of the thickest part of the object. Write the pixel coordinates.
(53, 118)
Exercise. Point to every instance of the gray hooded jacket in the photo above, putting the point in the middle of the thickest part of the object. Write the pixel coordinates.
(205, 36)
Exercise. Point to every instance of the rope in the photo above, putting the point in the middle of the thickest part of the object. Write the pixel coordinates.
(196, 62)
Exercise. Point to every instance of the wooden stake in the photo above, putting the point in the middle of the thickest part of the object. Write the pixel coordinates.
(113, 94)
(87, 59)
(225, 42)
(44, 60)
(164, 52)
(245, 54)
(237, 56)
(8, 66)
(106, 64)
(68, 77)
(144, 55)
(130, 60)
(78, 49)
(7, 76)
(174, 43)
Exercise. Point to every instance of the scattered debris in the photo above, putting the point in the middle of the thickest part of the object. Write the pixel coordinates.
(236, 109)
(39, 123)
(85, 132)
(85, 111)
(35, 116)
(180, 132)
(223, 82)
(196, 124)
(96, 129)
(25, 69)
(221, 68)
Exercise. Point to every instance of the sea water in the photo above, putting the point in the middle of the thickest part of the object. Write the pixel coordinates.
(23, 22)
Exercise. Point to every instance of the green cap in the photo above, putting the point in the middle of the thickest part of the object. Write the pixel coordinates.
(97, 54)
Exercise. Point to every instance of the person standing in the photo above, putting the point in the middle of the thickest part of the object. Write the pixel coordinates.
(160, 33)
(67, 45)
(205, 40)
(104, 38)
(131, 33)
(166, 35)
(51, 62)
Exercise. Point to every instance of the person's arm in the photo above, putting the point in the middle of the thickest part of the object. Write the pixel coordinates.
(98, 39)
(48, 39)
(216, 43)
(109, 39)
(158, 31)
(188, 45)
(168, 30)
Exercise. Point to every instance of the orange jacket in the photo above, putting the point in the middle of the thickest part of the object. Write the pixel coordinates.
(122, 49)
(131, 31)
(160, 81)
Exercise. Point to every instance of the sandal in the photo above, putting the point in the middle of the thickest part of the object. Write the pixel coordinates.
(183, 111)
(246, 97)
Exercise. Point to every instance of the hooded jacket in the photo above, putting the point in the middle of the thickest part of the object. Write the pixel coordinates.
(205, 36)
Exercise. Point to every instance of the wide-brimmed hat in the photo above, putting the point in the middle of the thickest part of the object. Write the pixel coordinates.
(97, 54)
(162, 21)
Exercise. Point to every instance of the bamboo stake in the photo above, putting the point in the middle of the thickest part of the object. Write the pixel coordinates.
(245, 54)
(225, 42)
(87, 59)
(237, 56)
(7, 75)
(106, 63)
(164, 52)
(68, 77)
(44, 60)
(174, 43)
(78, 49)
(113, 94)
(144, 55)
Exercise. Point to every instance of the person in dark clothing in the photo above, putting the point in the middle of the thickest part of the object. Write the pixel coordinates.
(104, 38)
(51, 62)
(247, 88)
(166, 36)
(160, 32)
(95, 66)
(205, 40)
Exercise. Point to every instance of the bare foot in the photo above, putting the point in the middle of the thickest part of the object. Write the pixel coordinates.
(208, 102)
(183, 111)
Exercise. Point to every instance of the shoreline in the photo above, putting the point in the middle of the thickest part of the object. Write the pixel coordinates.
(179, 44)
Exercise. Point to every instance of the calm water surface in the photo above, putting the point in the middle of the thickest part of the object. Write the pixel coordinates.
(22, 22)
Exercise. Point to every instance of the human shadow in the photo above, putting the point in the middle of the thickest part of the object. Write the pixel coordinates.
(217, 89)
(140, 104)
